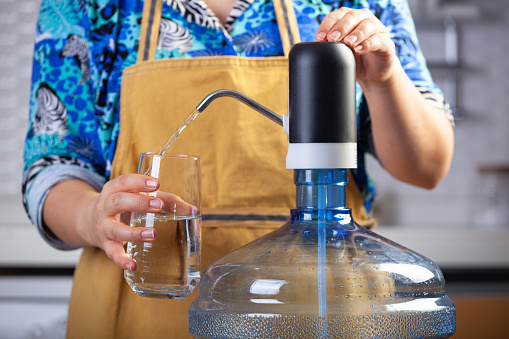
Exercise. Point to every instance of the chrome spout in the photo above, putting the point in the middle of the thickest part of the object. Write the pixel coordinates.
(242, 98)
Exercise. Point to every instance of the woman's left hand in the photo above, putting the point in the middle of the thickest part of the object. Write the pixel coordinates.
(368, 38)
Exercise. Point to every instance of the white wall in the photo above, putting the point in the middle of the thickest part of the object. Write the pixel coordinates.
(481, 136)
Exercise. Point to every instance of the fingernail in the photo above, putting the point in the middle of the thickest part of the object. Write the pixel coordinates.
(351, 39)
(335, 35)
(148, 234)
(130, 267)
(156, 203)
(151, 183)
(320, 36)
(358, 48)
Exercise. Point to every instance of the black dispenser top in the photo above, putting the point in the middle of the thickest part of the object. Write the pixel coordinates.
(322, 85)
(322, 109)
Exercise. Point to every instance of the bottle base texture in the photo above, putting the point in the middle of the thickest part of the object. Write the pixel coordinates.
(387, 325)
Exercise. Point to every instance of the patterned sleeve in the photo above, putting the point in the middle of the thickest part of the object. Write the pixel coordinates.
(64, 139)
(398, 19)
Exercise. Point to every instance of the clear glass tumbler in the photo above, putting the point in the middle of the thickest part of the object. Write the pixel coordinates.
(169, 266)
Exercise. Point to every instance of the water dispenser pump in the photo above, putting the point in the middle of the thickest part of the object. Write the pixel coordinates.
(322, 131)
(320, 275)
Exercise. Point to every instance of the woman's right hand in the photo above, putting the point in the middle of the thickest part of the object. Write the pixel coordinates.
(79, 215)
(104, 226)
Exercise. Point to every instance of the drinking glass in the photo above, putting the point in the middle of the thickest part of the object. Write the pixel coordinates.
(169, 266)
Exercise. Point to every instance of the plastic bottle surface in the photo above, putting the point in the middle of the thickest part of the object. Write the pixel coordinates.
(321, 275)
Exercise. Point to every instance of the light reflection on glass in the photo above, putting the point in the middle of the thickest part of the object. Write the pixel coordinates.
(428, 304)
(416, 274)
(266, 301)
(266, 286)
(343, 218)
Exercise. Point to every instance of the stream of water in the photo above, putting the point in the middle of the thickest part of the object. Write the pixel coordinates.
(177, 132)
(322, 288)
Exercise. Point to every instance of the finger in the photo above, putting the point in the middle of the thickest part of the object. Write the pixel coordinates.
(115, 251)
(348, 23)
(366, 29)
(120, 202)
(175, 204)
(116, 231)
(375, 43)
(132, 183)
(328, 22)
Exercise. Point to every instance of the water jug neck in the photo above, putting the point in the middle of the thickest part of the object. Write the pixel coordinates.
(321, 189)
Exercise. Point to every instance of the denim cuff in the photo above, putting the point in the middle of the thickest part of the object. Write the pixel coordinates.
(39, 189)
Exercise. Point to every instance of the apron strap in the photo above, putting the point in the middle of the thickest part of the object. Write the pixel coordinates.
(287, 23)
(151, 18)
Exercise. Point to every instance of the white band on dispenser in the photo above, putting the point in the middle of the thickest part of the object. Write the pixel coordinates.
(321, 155)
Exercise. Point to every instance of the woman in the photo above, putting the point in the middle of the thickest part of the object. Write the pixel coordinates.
(81, 50)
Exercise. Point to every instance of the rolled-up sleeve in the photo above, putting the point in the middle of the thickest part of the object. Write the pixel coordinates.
(40, 178)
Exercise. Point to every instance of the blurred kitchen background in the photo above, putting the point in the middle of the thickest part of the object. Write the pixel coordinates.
(463, 224)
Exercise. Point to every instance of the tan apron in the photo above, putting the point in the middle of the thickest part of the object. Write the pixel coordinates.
(247, 190)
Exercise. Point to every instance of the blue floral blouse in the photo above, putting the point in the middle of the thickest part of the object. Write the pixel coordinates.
(82, 46)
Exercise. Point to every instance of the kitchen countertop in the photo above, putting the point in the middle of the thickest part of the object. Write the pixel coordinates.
(454, 248)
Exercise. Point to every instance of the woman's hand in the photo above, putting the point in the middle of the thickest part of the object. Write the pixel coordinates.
(368, 38)
(106, 229)
(79, 215)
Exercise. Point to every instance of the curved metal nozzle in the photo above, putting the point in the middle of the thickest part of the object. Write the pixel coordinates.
(242, 98)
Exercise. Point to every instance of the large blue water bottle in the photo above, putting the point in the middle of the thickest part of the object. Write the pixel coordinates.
(321, 275)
